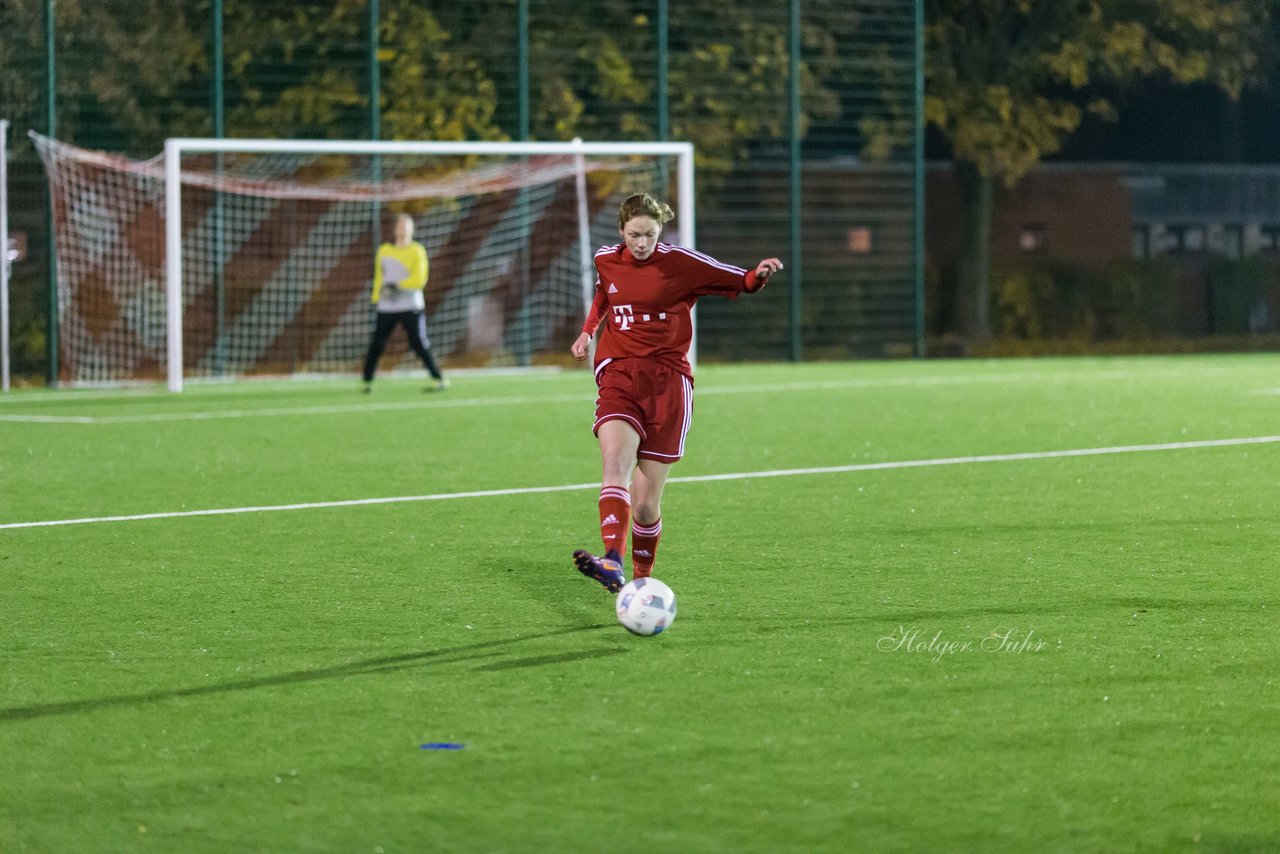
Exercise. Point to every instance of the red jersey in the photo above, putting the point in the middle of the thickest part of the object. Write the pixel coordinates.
(648, 302)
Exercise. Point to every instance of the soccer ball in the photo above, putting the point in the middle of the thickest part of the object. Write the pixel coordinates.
(646, 606)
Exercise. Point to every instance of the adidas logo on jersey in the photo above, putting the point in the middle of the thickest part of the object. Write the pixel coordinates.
(613, 289)
(609, 520)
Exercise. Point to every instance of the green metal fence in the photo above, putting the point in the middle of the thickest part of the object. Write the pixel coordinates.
(806, 115)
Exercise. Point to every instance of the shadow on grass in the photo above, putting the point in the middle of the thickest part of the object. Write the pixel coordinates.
(539, 660)
(383, 664)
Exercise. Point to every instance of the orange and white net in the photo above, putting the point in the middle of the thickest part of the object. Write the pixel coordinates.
(278, 253)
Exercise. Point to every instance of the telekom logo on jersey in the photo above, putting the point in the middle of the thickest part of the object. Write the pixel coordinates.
(623, 316)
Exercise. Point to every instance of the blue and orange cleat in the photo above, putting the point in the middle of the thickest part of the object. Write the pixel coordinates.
(607, 570)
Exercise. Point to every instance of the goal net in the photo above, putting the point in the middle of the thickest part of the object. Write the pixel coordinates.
(225, 258)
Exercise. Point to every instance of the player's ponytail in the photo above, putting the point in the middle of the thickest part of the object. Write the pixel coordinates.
(643, 204)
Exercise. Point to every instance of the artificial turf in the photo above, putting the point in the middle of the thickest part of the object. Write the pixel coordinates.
(956, 651)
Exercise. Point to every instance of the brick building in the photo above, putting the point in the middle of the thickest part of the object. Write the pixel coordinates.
(1097, 213)
(1213, 231)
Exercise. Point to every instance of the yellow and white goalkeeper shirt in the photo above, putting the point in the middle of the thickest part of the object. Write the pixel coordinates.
(399, 275)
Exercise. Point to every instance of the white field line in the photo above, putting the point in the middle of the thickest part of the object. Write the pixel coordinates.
(517, 400)
(705, 478)
(241, 386)
(50, 419)
(308, 382)
(339, 409)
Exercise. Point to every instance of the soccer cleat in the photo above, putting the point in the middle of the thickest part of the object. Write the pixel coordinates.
(607, 570)
(441, 384)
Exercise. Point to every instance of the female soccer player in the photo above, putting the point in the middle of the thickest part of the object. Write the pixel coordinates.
(400, 273)
(645, 288)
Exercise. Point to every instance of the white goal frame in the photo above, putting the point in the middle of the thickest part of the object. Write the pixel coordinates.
(176, 147)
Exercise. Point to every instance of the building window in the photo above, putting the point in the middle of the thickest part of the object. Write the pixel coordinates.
(1233, 241)
(1184, 238)
(1193, 238)
(1033, 239)
(17, 248)
(860, 242)
(1270, 238)
(1141, 242)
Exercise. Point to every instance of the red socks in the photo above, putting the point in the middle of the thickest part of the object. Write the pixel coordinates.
(644, 548)
(615, 518)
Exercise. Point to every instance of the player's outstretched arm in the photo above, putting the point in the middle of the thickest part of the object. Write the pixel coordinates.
(757, 278)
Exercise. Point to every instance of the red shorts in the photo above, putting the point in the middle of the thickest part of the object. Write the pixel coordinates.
(657, 401)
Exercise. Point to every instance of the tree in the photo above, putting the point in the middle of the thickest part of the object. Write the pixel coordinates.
(1009, 80)
(593, 70)
(123, 70)
(301, 69)
(132, 72)
(729, 78)
(20, 67)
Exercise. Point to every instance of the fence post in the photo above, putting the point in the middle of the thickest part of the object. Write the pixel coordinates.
(51, 123)
(917, 169)
(219, 214)
(375, 120)
(664, 100)
(4, 255)
(375, 75)
(795, 264)
(523, 120)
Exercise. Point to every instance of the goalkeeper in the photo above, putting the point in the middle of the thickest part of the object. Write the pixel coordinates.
(400, 273)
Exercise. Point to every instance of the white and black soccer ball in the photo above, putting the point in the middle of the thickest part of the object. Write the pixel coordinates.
(646, 606)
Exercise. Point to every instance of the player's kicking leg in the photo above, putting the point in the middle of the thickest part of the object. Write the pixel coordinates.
(618, 445)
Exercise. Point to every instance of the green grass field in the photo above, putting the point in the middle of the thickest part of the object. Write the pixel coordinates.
(835, 681)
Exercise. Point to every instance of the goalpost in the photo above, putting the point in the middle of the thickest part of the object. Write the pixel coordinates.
(230, 257)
